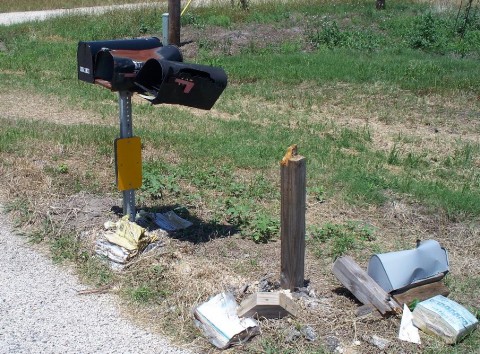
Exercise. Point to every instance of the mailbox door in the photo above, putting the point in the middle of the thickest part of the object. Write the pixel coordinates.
(190, 85)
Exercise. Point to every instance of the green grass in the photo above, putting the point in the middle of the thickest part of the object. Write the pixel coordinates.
(222, 167)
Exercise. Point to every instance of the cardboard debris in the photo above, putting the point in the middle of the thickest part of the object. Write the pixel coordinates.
(408, 332)
(397, 270)
(122, 241)
(445, 318)
(218, 320)
(267, 305)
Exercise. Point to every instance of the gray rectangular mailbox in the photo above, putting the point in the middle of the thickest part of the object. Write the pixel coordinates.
(398, 270)
(156, 72)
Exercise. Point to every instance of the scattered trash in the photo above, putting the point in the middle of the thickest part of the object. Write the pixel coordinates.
(379, 342)
(268, 305)
(292, 334)
(129, 235)
(125, 239)
(309, 333)
(266, 285)
(218, 320)
(113, 252)
(170, 221)
(445, 318)
(396, 270)
(408, 332)
(153, 246)
(332, 344)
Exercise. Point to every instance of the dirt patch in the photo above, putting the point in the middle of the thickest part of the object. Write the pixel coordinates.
(42, 107)
(231, 42)
(83, 211)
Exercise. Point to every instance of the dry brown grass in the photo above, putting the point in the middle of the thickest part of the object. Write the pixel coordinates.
(45, 108)
(193, 273)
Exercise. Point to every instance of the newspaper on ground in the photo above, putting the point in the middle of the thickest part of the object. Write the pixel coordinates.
(218, 320)
(445, 318)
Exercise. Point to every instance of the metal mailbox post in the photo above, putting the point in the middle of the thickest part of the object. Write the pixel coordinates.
(159, 75)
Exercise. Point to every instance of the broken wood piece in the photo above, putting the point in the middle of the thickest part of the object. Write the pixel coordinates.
(362, 286)
(267, 305)
(100, 290)
(421, 293)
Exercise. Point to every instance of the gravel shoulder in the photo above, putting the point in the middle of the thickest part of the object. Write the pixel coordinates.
(10, 18)
(41, 312)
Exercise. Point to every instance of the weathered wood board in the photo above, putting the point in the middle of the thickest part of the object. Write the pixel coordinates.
(292, 229)
(362, 286)
(421, 293)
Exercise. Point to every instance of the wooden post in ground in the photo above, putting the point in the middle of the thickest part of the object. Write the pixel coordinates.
(174, 22)
(292, 209)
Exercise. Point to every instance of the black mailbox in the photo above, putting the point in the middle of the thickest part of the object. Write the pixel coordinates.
(87, 52)
(117, 69)
(146, 66)
(190, 85)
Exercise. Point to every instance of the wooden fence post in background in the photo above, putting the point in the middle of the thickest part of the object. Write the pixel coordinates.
(174, 22)
(292, 209)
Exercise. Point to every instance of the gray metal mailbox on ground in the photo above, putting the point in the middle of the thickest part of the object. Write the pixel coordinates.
(158, 74)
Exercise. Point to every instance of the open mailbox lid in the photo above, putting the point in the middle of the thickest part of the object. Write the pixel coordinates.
(397, 270)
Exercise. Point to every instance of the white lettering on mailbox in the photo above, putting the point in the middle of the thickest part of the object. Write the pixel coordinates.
(84, 70)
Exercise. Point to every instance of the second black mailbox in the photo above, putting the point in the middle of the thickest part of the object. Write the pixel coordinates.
(149, 68)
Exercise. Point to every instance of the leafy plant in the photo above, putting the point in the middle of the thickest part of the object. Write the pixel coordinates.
(264, 227)
(142, 294)
(155, 183)
(340, 238)
(327, 33)
(238, 213)
(64, 247)
(413, 304)
(317, 193)
(424, 34)
(62, 168)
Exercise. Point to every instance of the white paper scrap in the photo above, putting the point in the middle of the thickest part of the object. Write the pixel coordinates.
(408, 332)
(170, 221)
(219, 321)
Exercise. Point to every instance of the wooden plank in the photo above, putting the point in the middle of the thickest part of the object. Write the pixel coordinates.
(174, 22)
(292, 230)
(267, 305)
(362, 286)
(421, 293)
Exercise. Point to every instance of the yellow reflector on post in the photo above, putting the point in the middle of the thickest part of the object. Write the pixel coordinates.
(128, 163)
